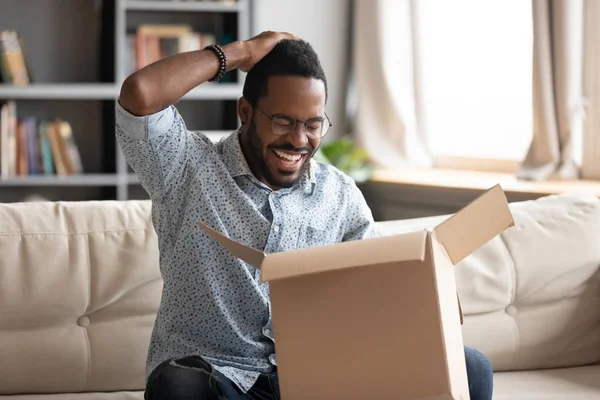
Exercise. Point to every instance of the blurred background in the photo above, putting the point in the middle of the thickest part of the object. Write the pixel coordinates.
(432, 101)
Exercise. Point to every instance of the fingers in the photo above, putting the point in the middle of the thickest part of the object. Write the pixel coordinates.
(287, 35)
(276, 35)
(261, 44)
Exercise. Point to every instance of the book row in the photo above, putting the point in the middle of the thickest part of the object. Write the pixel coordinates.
(29, 146)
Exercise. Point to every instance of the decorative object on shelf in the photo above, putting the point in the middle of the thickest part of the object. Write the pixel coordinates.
(347, 157)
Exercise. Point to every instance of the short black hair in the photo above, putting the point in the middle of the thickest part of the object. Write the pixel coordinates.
(288, 58)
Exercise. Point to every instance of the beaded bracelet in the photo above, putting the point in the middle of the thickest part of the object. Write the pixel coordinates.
(222, 60)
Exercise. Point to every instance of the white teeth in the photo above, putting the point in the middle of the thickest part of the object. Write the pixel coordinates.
(287, 156)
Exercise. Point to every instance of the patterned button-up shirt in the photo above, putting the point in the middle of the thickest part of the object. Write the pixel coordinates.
(214, 305)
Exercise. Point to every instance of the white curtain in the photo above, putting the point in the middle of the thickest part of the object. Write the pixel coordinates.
(558, 105)
(389, 88)
(386, 65)
(590, 166)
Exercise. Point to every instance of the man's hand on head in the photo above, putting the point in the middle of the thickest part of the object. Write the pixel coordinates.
(166, 81)
(260, 45)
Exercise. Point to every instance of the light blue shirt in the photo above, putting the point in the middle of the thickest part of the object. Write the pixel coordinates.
(213, 305)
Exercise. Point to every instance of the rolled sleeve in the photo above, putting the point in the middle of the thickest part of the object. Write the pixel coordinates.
(155, 146)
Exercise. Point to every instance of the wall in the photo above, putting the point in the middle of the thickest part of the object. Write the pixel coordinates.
(324, 24)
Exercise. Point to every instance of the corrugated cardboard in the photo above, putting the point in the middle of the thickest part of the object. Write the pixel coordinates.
(376, 318)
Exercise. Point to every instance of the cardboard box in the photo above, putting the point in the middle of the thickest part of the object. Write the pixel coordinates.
(375, 318)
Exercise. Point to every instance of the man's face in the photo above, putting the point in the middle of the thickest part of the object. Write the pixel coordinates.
(278, 161)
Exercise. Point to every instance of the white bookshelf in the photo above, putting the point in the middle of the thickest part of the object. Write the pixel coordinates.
(59, 91)
(106, 91)
(211, 91)
(70, 85)
(59, 181)
(183, 6)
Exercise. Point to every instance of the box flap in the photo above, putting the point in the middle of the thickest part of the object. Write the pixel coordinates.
(244, 253)
(475, 225)
(366, 252)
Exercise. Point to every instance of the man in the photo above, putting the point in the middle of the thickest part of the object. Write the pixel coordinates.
(213, 335)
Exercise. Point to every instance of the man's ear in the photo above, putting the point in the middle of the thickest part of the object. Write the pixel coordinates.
(244, 111)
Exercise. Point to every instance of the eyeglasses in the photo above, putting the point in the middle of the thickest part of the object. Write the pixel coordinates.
(283, 124)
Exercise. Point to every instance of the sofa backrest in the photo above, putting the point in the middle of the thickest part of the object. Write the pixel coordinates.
(531, 296)
(79, 290)
(80, 286)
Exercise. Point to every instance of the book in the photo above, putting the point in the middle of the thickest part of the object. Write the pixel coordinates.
(31, 147)
(47, 160)
(8, 140)
(13, 67)
(153, 42)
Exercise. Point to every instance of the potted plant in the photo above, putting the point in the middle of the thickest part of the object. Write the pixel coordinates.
(347, 157)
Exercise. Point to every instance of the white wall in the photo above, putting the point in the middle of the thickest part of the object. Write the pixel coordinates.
(322, 23)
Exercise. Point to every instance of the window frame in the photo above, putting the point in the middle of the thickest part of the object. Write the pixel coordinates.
(476, 164)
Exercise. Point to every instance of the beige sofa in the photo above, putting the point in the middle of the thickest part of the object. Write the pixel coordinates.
(80, 285)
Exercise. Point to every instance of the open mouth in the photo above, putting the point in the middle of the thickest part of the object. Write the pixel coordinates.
(288, 161)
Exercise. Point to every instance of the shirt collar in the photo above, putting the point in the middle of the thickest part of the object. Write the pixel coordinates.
(233, 157)
(309, 178)
(236, 163)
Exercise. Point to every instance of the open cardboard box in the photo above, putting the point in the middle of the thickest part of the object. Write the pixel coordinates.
(375, 318)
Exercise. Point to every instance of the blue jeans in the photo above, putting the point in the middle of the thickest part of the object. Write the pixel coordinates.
(192, 378)
(479, 374)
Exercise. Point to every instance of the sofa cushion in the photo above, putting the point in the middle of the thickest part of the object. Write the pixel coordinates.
(531, 296)
(79, 290)
(578, 383)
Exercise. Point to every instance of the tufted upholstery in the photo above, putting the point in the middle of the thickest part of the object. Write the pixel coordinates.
(80, 285)
(531, 296)
(79, 289)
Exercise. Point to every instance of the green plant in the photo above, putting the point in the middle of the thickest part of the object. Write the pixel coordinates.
(347, 157)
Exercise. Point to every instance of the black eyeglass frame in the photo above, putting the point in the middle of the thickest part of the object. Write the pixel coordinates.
(295, 120)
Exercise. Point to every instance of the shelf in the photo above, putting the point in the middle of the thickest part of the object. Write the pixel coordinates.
(182, 6)
(215, 91)
(59, 91)
(132, 179)
(67, 180)
(107, 91)
(446, 180)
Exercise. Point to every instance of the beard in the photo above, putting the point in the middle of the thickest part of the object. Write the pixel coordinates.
(277, 179)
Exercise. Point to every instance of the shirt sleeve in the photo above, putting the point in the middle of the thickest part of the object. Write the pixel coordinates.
(155, 146)
(359, 220)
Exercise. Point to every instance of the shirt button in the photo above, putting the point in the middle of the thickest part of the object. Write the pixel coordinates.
(267, 331)
(276, 228)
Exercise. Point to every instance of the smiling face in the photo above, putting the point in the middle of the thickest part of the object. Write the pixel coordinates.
(278, 161)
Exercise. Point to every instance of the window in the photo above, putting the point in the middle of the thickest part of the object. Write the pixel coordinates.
(476, 63)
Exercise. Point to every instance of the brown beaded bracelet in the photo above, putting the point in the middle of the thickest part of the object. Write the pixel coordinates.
(222, 62)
